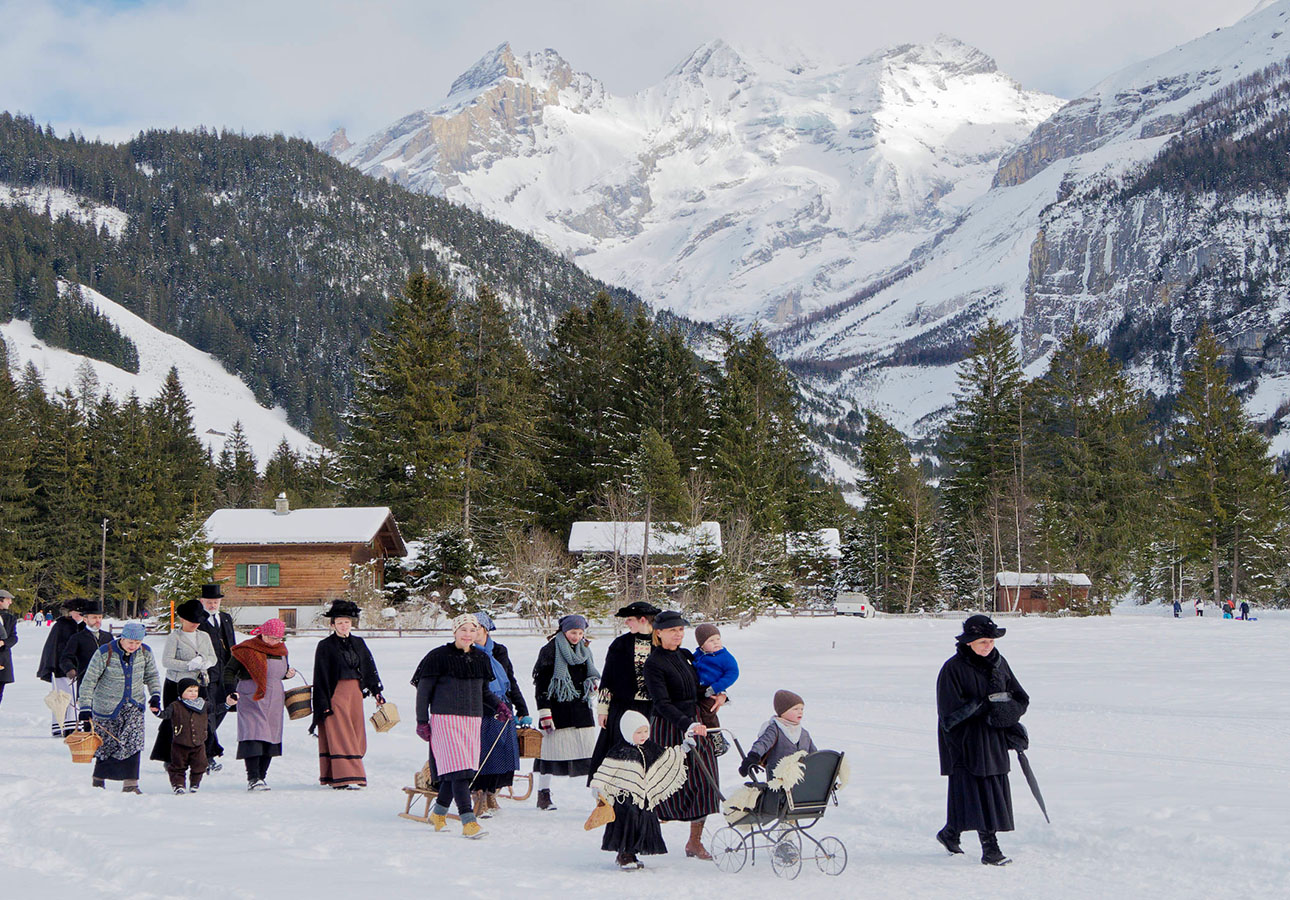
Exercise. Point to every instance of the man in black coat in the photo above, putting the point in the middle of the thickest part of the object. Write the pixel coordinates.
(85, 640)
(52, 654)
(219, 625)
(978, 702)
(8, 637)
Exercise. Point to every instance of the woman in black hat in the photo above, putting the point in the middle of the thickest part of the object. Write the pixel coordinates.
(344, 673)
(978, 700)
(622, 684)
(673, 685)
(188, 654)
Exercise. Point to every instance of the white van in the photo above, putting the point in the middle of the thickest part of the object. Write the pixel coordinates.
(853, 603)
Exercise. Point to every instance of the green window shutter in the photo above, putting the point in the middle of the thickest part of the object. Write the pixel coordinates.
(273, 574)
(241, 574)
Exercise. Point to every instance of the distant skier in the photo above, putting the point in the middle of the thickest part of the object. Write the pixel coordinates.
(1177, 608)
(1245, 611)
(1200, 607)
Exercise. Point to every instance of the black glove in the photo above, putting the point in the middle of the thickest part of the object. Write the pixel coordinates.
(86, 715)
(1003, 713)
(1017, 737)
(751, 761)
(154, 705)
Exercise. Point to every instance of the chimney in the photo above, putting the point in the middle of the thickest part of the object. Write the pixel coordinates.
(280, 505)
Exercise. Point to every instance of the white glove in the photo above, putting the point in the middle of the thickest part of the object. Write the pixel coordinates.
(196, 663)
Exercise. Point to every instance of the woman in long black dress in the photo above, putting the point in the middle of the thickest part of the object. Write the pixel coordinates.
(344, 673)
(673, 685)
(978, 701)
(622, 684)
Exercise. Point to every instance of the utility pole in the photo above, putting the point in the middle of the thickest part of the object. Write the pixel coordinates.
(103, 564)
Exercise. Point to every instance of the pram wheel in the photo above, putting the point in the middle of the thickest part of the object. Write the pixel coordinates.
(786, 859)
(831, 856)
(729, 851)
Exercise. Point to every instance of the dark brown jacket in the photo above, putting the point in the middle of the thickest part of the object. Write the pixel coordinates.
(190, 728)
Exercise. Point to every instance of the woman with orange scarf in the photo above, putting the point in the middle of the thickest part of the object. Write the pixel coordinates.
(253, 678)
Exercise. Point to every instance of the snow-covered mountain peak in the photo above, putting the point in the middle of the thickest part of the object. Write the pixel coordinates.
(757, 182)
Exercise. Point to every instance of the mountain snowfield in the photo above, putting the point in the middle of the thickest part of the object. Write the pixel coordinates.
(742, 185)
(218, 397)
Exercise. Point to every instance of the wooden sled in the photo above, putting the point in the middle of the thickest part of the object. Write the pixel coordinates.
(508, 793)
(415, 794)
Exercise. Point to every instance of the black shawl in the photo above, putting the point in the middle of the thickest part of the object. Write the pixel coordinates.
(619, 677)
(966, 739)
(331, 657)
(454, 682)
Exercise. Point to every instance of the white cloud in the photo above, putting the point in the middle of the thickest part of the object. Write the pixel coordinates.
(302, 66)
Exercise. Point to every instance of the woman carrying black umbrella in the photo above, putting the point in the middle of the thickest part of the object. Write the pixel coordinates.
(978, 700)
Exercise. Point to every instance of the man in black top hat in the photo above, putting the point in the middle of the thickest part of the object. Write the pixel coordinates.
(219, 625)
(80, 647)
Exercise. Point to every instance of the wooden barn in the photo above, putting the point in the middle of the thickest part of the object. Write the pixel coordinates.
(624, 545)
(1039, 592)
(293, 563)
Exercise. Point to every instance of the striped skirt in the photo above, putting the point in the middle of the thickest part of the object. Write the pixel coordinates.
(342, 737)
(454, 744)
(701, 794)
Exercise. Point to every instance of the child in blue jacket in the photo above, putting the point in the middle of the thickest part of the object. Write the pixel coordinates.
(717, 670)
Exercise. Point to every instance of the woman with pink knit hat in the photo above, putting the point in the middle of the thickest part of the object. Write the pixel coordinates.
(253, 678)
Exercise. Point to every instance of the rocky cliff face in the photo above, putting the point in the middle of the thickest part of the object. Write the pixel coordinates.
(740, 185)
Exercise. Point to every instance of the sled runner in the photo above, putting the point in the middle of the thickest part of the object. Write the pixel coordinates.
(776, 816)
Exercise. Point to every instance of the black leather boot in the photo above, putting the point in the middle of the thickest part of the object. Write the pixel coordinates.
(544, 800)
(991, 855)
(949, 839)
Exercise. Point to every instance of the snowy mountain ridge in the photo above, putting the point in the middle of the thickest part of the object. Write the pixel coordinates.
(752, 185)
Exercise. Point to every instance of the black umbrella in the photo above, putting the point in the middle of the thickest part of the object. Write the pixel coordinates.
(1034, 785)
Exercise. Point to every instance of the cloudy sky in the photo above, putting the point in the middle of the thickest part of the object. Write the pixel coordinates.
(111, 67)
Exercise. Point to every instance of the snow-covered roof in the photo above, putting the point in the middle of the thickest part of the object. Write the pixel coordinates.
(336, 525)
(825, 541)
(628, 538)
(1038, 579)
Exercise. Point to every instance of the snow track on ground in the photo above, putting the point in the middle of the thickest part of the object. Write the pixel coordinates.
(1158, 744)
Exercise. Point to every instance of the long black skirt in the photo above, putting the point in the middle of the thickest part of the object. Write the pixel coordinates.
(634, 830)
(700, 796)
(609, 734)
(979, 803)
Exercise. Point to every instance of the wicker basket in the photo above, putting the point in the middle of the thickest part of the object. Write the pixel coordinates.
(299, 702)
(83, 744)
(530, 743)
(385, 717)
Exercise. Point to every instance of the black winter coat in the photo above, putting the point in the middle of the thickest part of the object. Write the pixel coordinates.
(453, 682)
(79, 650)
(973, 730)
(59, 634)
(620, 678)
(574, 713)
(223, 639)
(337, 658)
(673, 685)
(9, 634)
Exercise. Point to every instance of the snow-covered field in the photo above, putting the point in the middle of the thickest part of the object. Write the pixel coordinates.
(1160, 746)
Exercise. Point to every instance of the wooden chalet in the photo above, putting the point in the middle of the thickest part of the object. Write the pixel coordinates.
(293, 563)
(1039, 592)
(670, 544)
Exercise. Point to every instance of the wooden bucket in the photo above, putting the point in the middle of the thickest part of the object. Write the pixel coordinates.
(530, 743)
(83, 744)
(385, 717)
(299, 702)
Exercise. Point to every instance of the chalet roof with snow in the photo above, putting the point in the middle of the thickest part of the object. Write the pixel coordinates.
(336, 525)
(823, 542)
(1041, 579)
(628, 538)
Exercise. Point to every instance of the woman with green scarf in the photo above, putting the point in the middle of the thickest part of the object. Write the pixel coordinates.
(565, 679)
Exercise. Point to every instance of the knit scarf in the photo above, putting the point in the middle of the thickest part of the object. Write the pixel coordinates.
(254, 654)
(500, 685)
(791, 731)
(562, 688)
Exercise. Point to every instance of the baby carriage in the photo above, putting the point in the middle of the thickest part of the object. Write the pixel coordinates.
(775, 816)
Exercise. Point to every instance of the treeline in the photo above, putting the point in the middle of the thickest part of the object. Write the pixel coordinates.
(263, 251)
(1069, 473)
(488, 453)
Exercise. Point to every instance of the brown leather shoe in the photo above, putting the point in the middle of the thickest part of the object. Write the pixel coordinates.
(694, 846)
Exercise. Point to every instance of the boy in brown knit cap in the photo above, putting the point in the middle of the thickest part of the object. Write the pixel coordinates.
(780, 736)
(188, 717)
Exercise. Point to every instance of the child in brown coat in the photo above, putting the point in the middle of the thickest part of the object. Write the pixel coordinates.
(188, 718)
